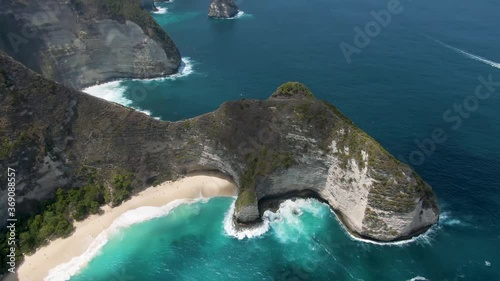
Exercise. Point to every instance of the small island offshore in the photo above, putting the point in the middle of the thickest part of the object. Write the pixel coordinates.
(74, 153)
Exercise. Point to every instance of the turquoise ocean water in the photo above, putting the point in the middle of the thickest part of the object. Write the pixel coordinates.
(397, 88)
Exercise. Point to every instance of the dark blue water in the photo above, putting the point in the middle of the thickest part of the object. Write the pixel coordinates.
(397, 88)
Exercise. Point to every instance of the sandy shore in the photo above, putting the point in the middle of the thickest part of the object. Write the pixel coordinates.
(37, 266)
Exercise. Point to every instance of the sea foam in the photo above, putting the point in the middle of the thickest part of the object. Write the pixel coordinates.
(239, 15)
(287, 225)
(424, 238)
(185, 69)
(418, 278)
(248, 232)
(64, 272)
(445, 219)
(161, 10)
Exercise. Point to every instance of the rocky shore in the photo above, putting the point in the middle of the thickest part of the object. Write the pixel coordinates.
(84, 42)
(289, 143)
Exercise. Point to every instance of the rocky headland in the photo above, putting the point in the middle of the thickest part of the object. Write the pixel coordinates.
(291, 144)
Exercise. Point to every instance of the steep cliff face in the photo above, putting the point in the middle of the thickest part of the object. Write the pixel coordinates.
(222, 9)
(81, 42)
(291, 143)
(319, 150)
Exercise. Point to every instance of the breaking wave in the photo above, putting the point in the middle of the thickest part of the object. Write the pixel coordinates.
(110, 91)
(114, 92)
(239, 15)
(287, 225)
(185, 70)
(248, 232)
(424, 238)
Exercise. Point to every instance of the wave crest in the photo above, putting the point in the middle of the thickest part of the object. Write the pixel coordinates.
(161, 11)
(116, 91)
(241, 233)
(418, 278)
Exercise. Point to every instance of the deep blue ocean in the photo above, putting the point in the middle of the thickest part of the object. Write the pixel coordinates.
(419, 74)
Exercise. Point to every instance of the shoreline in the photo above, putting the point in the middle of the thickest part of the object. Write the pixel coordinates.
(60, 252)
(185, 69)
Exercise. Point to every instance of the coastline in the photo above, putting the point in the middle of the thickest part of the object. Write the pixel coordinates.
(112, 90)
(62, 250)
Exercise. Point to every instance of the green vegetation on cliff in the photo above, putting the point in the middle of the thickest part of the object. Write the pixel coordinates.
(56, 216)
(258, 166)
(387, 193)
(293, 90)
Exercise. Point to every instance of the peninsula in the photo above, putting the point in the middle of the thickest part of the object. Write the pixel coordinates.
(80, 155)
(289, 144)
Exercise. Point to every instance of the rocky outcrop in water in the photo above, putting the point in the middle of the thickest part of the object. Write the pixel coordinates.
(81, 42)
(222, 9)
(288, 145)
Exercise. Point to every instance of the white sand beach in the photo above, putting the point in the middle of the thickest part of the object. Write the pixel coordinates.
(62, 251)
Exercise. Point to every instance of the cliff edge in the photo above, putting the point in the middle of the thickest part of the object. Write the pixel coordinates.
(81, 42)
(291, 143)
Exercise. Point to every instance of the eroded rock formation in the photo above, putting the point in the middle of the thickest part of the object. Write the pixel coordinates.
(289, 143)
(222, 9)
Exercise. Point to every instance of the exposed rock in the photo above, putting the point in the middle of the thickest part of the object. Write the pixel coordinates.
(222, 9)
(81, 42)
(149, 5)
(291, 143)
